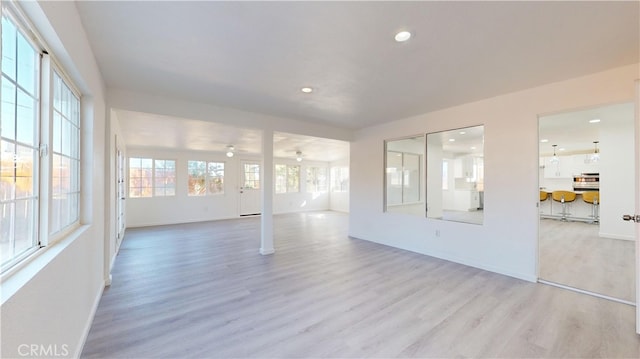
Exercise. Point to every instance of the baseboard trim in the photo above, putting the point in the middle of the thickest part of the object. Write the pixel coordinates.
(462, 261)
(89, 323)
(616, 236)
(267, 251)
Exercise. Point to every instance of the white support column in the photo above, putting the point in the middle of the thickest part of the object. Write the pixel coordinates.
(266, 238)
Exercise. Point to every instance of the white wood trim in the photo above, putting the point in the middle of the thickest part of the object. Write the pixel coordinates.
(637, 225)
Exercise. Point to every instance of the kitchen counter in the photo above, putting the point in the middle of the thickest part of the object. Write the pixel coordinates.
(577, 210)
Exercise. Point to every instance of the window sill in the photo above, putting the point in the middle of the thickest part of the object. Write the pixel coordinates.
(17, 277)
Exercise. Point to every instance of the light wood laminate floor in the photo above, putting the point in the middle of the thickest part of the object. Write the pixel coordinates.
(572, 253)
(203, 291)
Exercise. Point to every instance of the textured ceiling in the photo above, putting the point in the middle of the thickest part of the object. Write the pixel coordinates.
(256, 56)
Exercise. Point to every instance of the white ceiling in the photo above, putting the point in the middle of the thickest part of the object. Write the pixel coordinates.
(150, 131)
(573, 133)
(143, 130)
(257, 55)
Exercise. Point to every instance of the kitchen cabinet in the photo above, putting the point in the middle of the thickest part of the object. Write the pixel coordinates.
(465, 167)
(567, 166)
(464, 200)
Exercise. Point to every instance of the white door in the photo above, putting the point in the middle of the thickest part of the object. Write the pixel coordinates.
(120, 196)
(250, 188)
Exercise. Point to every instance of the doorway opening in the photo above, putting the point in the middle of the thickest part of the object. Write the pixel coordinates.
(586, 182)
(250, 188)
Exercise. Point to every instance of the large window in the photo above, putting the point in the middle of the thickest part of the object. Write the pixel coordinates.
(316, 179)
(40, 138)
(140, 177)
(340, 179)
(205, 178)
(164, 178)
(19, 143)
(151, 178)
(287, 178)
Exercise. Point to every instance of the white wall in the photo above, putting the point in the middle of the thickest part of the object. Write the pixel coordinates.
(339, 201)
(507, 241)
(182, 208)
(617, 171)
(51, 300)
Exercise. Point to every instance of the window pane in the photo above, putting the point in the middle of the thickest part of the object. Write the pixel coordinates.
(340, 179)
(57, 93)
(251, 176)
(66, 137)
(27, 65)
(9, 48)
(6, 231)
(196, 183)
(74, 204)
(281, 178)
(8, 120)
(25, 224)
(293, 178)
(316, 179)
(215, 177)
(140, 177)
(7, 175)
(25, 158)
(146, 163)
(26, 119)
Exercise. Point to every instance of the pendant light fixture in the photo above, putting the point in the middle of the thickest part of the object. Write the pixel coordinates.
(298, 156)
(555, 158)
(595, 157)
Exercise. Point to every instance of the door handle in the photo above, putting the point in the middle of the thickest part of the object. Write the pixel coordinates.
(632, 217)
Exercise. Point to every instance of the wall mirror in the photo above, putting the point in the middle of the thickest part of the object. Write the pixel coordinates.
(455, 175)
(404, 175)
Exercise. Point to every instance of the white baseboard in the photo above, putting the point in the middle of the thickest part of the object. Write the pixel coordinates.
(616, 236)
(467, 262)
(89, 323)
(160, 223)
(267, 251)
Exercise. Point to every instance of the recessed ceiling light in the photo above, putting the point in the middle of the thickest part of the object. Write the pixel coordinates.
(473, 147)
(561, 149)
(452, 140)
(544, 140)
(306, 89)
(403, 36)
(462, 132)
(595, 120)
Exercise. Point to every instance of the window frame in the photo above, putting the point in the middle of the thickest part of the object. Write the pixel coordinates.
(152, 179)
(337, 177)
(286, 179)
(207, 179)
(56, 69)
(42, 173)
(35, 240)
(154, 182)
(321, 185)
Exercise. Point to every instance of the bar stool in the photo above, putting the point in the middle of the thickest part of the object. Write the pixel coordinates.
(593, 198)
(543, 197)
(563, 197)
